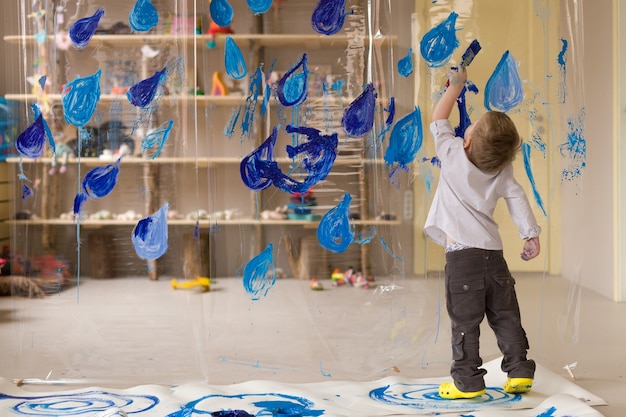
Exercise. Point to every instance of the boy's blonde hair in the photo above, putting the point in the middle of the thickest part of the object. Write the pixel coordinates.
(494, 142)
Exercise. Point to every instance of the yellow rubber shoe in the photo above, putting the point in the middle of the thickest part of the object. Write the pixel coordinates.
(518, 385)
(449, 391)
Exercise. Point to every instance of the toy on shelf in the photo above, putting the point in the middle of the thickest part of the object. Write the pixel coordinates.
(300, 206)
(201, 282)
(338, 277)
(215, 29)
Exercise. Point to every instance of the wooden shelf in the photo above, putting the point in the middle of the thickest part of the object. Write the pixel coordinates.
(204, 224)
(304, 41)
(230, 100)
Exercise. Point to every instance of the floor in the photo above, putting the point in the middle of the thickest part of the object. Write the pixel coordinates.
(126, 332)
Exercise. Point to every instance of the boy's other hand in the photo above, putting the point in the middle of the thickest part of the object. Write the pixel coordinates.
(531, 249)
(457, 76)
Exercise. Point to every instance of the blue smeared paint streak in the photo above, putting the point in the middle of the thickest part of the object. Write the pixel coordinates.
(26, 191)
(154, 141)
(529, 173)
(143, 16)
(406, 139)
(142, 93)
(461, 102)
(268, 89)
(504, 89)
(78, 403)
(83, 29)
(328, 16)
(389, 251)
(259, 170)
(562, 61)
(439, 43)
(335, 231)
(150, 235)
(30, 142)
(539, 143)
(575, 149)
(221, 12)
(259, 6)
(391, 110)
(434, 161)
(426, 397)
(259, 274)
(256, 82)
(358, 117)
(233, 60)
(254, 168)
(292, 87)
(98, 183)
(80, 98)
(282, 405)
(405, 64)
(548, 413)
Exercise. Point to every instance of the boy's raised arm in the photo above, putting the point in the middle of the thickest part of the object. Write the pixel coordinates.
(457, 78)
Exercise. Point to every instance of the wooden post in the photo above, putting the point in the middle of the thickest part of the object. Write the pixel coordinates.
(102, 255)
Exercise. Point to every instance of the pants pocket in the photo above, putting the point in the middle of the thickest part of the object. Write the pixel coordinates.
(466, 296)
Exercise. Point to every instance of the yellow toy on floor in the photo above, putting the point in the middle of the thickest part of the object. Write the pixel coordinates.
(203, 282)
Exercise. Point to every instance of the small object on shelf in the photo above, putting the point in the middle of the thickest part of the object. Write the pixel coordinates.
(218, 87)
(215, 29)
(337, 277)
(316, 284)
(199, 282)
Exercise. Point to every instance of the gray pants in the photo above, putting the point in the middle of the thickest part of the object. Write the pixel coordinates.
(478, 283)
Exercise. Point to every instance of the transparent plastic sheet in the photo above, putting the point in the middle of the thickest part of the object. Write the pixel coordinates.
(290, 332)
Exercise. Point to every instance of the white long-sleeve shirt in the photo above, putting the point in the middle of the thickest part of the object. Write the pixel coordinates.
(466, 197)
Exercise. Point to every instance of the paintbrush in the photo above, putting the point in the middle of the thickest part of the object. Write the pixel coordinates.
(470, 53)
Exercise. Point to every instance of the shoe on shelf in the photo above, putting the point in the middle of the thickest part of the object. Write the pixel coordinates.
(449, 391)
(518, 385)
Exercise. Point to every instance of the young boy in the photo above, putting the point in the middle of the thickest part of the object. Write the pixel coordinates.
(475, 172)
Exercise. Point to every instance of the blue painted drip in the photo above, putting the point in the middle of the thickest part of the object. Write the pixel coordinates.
(406, 139)
(461, 101)
(98, 183)
(154, 141)
(405, 64)
(562, 58)
(267, 93)
(292, 88)
(42, 82)
(439, 43)
(143, 16)
(83, 29)
(221, 12)
(142, 93)
(391, 110)
(80, 98)
(504, 89)
(30, 143)
(526, 149)
(335, 231)
(259, 6)
(150, 235)
(328, 16)
(233, 60)
(256, 85)
(358, 117)
(259, 274)
(562, 62)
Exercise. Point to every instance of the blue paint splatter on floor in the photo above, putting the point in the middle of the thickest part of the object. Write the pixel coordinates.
(150, 235)
(328, 16)
(83, 29)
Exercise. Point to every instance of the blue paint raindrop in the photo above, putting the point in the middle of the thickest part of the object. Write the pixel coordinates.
(439, 43)
(292, 87)
(334, 231)
(221, 12)
(358, 117)
(406, 139)
(328, 16)
(83, 29)
(144, 16)
(150, 235)
(233, 60)
(80, 98)
(504, 89)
